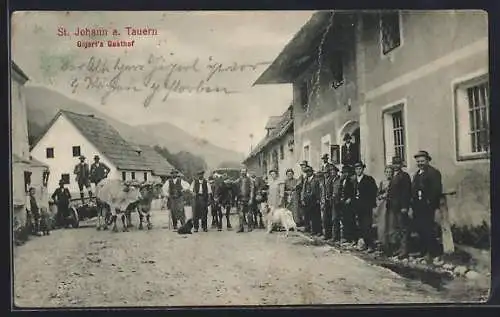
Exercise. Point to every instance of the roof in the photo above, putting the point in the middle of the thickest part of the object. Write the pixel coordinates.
(18, 70)
(159, 165)
(283, 126)
(105, 138)
(297, 54)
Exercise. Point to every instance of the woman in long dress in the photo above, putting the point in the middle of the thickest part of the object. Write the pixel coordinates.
(384, 226)
(290, 198)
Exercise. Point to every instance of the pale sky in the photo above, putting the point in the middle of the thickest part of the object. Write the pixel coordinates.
(228, 37)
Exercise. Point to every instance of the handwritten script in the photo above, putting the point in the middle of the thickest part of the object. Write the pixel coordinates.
(157, 77)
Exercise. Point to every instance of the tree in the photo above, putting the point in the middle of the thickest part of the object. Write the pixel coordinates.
(187, 163)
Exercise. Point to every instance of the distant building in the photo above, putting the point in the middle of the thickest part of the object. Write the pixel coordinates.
(20, 145)
(275, 150)
(70, 135)
(399, 81)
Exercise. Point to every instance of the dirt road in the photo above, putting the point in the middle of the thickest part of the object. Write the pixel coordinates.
(84, 267)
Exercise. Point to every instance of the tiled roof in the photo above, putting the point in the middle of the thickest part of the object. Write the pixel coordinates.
(283, 125)
(107, 140)
(159, 165)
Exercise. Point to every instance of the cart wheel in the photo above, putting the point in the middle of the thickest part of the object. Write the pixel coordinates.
(75, 222)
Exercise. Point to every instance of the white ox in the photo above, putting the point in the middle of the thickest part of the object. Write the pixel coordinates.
(115, 196)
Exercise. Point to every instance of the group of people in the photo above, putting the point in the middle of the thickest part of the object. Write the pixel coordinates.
(339, 204)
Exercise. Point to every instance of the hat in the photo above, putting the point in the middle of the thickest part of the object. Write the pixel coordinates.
(303, 163)
(397, 160)
(347, 136)
(200, 173)
(309, 169)
(325, 156)
(61, 182)
(96, 157)
(289, 170)
(174, 172)
(423, 154)
(346, 168)
(82, 157)
(272, 170)
(359, 164)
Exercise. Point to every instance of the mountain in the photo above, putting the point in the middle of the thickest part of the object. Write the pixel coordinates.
(44, 103)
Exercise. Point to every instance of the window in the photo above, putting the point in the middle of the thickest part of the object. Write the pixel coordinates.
(337, 69)
(49, 152)
(282, 152)
(394, 133)
(27, 180)
(390, 30)
(124, 176)
(65, 178)
(76, 151)
(132, 175)
(473, 124)
(145, 176)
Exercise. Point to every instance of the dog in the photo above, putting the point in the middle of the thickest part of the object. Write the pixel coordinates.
(278, 217)
(186, 228)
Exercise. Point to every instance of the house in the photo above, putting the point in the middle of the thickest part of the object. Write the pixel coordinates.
(275, 150)
(70, 135)
(20, 145)
(400, 81)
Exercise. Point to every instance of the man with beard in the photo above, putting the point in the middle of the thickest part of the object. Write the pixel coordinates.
(364, 202)
(62, 197)
(427, 189)
(300, 182)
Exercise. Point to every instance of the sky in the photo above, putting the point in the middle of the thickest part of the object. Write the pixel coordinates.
(189, 46)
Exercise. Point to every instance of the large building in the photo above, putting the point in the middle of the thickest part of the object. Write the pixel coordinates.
(70, 135)
(275, 150)
(399, 81)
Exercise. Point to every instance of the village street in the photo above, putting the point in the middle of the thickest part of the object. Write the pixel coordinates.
(84, 267)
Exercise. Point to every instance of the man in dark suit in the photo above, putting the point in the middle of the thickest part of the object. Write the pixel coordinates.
(427, 189)
(328, 194)
(364, 202)
(246, 195)
(310, 199)
(346, 197)
(349, 151)
(82, 172)
(325, 163)
(398, 205)
(201, 192)
(300, 183)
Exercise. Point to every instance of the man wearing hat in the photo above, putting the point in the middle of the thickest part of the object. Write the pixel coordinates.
(61, 197)
(349, 151)
(365, 200)
(346, 197)
(201, 191)
(427, 189)
(246, 196)
(175, 195)
(324, 158)
(98, 171)
(310, 198)
(328, 197)
(82, 173)
(398, 205)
